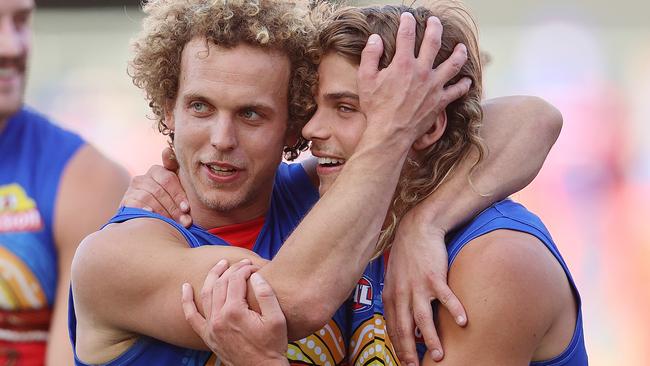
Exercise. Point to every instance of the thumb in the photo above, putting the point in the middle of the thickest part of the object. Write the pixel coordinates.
(269, 305)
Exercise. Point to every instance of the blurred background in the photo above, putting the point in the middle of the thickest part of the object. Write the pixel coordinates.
(591, 59)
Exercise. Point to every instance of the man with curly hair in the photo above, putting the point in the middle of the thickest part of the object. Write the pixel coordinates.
(229, 81)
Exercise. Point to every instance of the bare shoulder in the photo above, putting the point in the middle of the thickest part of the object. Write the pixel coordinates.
(511, 269)
(89, 194)
(514, 291)
(119, 247)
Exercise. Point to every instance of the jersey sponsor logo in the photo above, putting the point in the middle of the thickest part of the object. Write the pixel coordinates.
(363, 295)
(18, 212)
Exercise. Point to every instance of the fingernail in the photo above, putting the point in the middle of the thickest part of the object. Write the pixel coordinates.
(246, 260)
(436, 354)
(463, 47)
(147, 208)
(460, 320)
(373, 39)
(221, 262)
(408, 14)
(185, 206)
(185, 285)
(186, 220)
(257, 279)
(411, 364)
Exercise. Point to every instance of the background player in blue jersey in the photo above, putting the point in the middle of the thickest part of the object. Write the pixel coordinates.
(212, 86)
(522, 304)
(48, 176)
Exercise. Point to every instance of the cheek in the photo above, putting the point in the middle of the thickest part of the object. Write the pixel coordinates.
(353, 131)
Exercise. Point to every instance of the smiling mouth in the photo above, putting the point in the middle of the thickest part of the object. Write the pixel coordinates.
(221, 170)
(330, 162)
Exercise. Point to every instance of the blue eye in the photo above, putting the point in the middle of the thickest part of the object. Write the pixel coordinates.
(250, 114)
(199, 107)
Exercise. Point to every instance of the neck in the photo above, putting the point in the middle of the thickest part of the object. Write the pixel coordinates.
(210, 218)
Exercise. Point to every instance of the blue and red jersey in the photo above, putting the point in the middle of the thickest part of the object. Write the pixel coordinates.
(33, 156)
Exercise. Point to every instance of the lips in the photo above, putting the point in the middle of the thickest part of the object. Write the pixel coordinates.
(327, 161)
(220, 172)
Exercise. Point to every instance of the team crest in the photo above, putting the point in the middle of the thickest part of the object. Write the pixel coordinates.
(363, 295)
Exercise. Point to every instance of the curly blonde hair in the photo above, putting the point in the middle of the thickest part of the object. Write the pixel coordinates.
(279, 25)
(345, 30)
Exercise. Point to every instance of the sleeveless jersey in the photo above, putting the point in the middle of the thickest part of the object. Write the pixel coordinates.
(33, 155)
(293, 195)
(369, 343)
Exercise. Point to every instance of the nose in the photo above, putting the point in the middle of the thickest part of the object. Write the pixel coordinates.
(317, 128)
(11, 41)
(223, 134)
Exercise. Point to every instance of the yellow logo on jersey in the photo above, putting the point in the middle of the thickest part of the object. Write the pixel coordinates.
(18, 212)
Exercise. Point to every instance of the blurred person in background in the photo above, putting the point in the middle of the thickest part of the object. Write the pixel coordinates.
(54, 190)
(521, 301)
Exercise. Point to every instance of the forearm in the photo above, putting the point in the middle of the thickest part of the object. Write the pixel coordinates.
(518, 133)
(321, 261)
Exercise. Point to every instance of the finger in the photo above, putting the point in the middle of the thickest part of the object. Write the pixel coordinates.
(192, 315)
(405, 342)
(219, 289)
(449, 300)
(148, 190)
(142, 199)
(169, 159)
(452, 66)
(423, 316)
(268, 302)
(456, 91)
(172, 196)
(431, 42)
(237, 285)
(405, 39)
(209, 284)
(132, 202)
(370, 57)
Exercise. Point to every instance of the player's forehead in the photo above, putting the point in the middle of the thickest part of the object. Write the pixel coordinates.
(337, 74)
(241, 73)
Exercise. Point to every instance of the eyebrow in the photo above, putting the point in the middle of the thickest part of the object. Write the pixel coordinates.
(341, 95)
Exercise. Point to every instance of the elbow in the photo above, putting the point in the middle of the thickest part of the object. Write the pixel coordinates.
(306, 315)
(548, 120)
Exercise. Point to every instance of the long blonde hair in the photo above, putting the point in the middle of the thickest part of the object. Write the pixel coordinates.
(344, 30)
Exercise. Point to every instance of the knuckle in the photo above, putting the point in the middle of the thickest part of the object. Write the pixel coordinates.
(421, 317)
(444, 298)
(136, 181)
(188, 315)
(402, 331)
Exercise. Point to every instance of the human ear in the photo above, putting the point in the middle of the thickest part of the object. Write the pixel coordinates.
(168, 112)
(433, 134)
